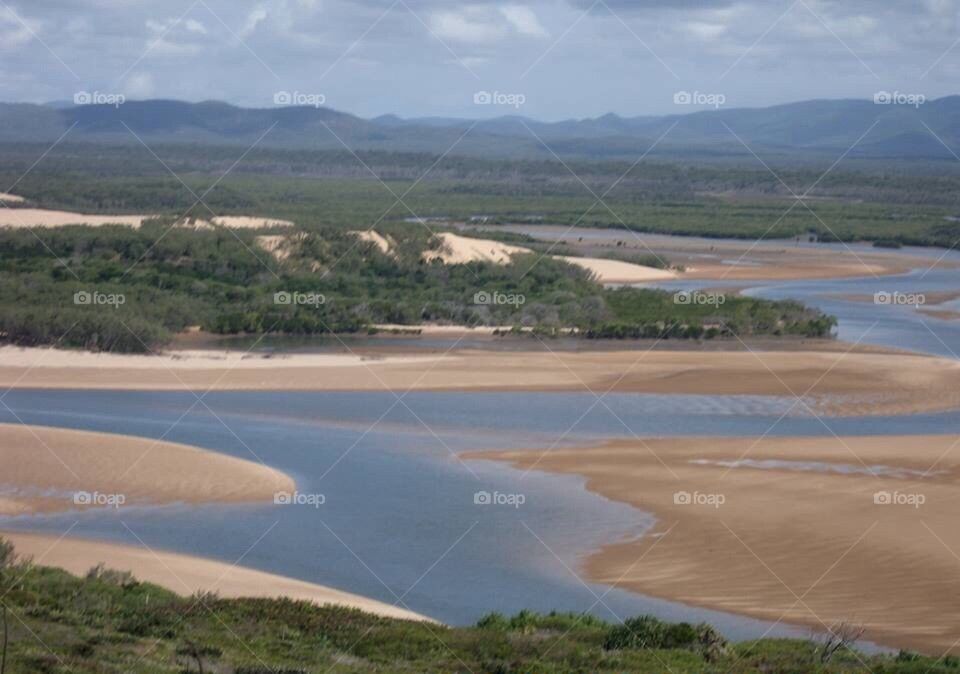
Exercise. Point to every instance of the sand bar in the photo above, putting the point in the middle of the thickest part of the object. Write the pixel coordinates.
(811, 531)
(49, 469)
(731, 260)
(187, 575)
(838, 381)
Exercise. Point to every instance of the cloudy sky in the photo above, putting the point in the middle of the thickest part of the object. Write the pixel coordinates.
(558, 58)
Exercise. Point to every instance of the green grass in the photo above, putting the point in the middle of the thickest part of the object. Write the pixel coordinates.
(108, 622)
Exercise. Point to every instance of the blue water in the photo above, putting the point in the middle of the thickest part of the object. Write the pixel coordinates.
(400, 519)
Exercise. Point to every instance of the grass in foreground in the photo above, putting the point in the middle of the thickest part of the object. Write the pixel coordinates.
(109, 622)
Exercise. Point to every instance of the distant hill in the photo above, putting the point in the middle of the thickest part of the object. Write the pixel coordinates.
(810, 129)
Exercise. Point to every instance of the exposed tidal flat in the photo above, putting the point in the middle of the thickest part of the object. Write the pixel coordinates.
(403, 498)
(407, 508)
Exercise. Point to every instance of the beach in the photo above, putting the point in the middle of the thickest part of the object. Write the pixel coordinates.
(809, 531)
(188, 575)
(836, 378)
(49, 470)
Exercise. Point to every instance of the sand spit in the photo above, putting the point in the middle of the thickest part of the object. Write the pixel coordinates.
(187, 575)
(872, 541)
(55, 470)
(834, 381)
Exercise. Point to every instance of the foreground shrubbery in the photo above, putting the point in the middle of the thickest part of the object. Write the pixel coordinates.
(107, 622)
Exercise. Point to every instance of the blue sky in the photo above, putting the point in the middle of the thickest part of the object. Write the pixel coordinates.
(550, 60)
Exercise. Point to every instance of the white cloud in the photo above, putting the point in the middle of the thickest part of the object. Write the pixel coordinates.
(472, 26)
(139, 86)
(524, 20)
(256, 16)
(195, 26)
(13, 33)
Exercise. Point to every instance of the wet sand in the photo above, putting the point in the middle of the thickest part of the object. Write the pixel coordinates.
(801, 532)
(857, 382)
(49, 470)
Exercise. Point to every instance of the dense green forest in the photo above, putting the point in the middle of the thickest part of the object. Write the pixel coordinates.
(55, 623)
(223, 281)
(122, 289)
(343, 189)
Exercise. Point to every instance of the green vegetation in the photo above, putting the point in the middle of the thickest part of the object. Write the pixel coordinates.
(108, 622)
(122, 289)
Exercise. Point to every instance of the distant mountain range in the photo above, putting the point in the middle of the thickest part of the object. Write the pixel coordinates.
(812, 129)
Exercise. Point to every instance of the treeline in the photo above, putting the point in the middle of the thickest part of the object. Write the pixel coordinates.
(123, 289)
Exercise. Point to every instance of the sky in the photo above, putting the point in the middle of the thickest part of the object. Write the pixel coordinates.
(550, 59)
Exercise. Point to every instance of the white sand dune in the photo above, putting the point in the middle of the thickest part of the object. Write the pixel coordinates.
(455, 249)
(41, 217)
(280, 246)
(10, 198)
(385, 243)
